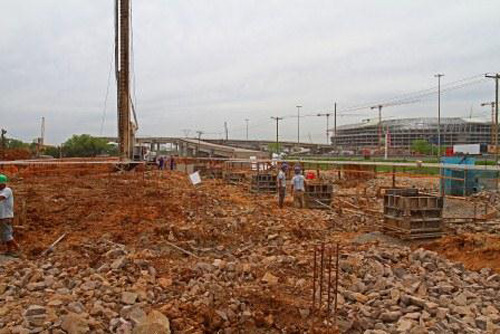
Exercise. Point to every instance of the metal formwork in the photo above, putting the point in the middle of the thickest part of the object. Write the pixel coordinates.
(264, 183)
(234, 177)
(210, 171)
(411, 215)
(316, 193)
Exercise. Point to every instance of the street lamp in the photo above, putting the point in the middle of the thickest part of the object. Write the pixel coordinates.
(438, 76)
(298, 124)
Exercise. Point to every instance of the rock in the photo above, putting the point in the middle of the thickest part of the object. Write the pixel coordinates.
(114, 253)
(133, 313)
(304, 312)
(482, 322)
(155, 323)
(75, 324)
(270, 279)
(412, 300)
(119, 263)
(356, 297)
(441, 313)
(164, 282)
(35, 310)
(76, 307)
(460, 300)
(404, 325)
(129, 298)
(390, 316)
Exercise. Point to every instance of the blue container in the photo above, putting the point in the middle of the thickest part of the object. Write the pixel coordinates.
(453, 179)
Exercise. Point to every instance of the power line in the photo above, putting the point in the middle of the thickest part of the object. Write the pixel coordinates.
(104, 109)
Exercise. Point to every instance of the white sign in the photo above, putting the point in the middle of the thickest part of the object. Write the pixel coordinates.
(195, 178)
(467, 149)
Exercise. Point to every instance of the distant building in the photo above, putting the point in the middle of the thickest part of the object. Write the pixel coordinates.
(402, 132)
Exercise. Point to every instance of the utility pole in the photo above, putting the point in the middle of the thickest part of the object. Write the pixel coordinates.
(492, 104)
(379, 107)
(496, 77)
(277, 119)
(335, 126)
(298, 125)
(4, 143)
(122, 64)
(42, 132)
(246, 121)
(199, 133)
(327, 126)
(226, 131)
(438, 76)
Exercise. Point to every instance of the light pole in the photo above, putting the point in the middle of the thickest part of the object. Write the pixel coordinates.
(298, 124)
(438, 76)
(496, 77)
(327, 125)
(246, 121)
(277, 119)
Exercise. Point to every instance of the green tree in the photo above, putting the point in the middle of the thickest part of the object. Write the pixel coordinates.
(421, 146)
(53, 151)
(274, 147)
(87, 146)
(17, 144)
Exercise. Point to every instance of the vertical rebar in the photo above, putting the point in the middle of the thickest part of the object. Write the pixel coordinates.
(314, 279)
(329, 287)
(336, 281)
(322, 264)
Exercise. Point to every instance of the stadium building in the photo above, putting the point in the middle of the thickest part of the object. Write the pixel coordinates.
(403, 132)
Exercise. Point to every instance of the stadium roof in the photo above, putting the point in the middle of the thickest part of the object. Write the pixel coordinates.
(413, 123)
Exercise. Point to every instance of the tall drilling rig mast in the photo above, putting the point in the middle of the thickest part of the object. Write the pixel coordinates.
(126, 129)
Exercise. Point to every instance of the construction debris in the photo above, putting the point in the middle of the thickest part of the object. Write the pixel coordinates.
(149, 252)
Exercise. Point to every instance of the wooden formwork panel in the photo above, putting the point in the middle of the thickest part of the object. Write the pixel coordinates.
(264, 183)
(237, 177)
(409, 214)
(318, 192)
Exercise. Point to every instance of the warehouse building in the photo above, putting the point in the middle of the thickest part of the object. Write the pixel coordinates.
(401, 133)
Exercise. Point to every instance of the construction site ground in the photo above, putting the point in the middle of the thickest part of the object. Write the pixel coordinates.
(216, 258)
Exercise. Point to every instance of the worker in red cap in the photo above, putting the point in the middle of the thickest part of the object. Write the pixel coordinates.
(6, 217)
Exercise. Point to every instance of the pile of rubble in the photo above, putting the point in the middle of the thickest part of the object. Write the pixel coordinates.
(468, 226)
(396, 290)
(156, 254)
(44, 296)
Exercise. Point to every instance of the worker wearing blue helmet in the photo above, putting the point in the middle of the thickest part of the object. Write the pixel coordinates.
(282, 184)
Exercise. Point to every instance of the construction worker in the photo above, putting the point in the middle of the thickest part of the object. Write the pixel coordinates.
(282, 184)
(7, 217)
(298, 188)
(172, 162)
(161, 163)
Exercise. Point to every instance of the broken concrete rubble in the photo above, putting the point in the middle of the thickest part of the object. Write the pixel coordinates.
(251, 271)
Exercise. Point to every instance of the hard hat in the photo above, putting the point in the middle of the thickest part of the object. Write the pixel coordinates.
(3, 178)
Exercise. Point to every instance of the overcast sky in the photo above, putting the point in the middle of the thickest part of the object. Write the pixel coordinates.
(200, 63)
